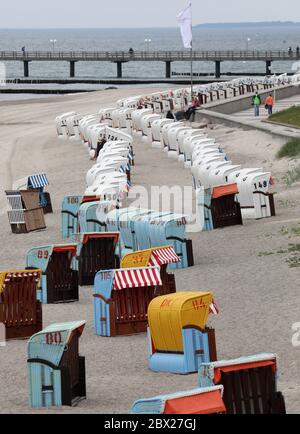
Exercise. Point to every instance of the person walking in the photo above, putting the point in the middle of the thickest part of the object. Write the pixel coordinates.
(269, 104)
(256, 102)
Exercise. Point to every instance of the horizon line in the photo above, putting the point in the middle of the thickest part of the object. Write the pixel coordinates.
(151, 27)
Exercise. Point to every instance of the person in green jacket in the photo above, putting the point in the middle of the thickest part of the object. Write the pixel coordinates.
(256, 101)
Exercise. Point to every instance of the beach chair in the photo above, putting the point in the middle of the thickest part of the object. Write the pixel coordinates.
(157, 257)
(72, 124)
(36, 182)
(20, 311)
(256, 200)
(112, 179)
(142, 228)
(204, 170)
(121, 300)
(254, 193)
(157, 106)
(110, 167)
(209, 154)
(165, 130)
(178, 340)
(107, 116)
(123, 220)
(173, 143)
(59, 280)
(146, 124)
(69, 216)
(25, 214)
(137, 116)
(87, 217)
(125, 120)
(182, 136)
(170, 229)
(115, 115)
(156, 129)
(198, 143)
(61, 124)
(191, 143)
(84, 126)
(116, 146)
(95, 252)
(167, 105)
(56, 371)
(220, 175)
(218, 207)
(198, 401)
(96, 135)
(132, 103)
(249, 384)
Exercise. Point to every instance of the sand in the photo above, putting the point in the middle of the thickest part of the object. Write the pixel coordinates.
(256, 291)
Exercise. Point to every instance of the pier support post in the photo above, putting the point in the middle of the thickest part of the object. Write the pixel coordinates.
(168, 69)
(119, 69)
(26, 68)
(218, 69)
(72, 68)
(268, 67)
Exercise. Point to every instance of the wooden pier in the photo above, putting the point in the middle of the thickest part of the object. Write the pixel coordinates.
(120, 57)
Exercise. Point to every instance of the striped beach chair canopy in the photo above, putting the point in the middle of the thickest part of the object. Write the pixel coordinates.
(155, 257)
(38, 181)
(137, 278)
(33, 181)
(163, 256)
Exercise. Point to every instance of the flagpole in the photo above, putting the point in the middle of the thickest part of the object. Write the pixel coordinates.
(192, 72)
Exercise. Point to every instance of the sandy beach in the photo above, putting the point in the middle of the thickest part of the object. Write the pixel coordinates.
(245, 267)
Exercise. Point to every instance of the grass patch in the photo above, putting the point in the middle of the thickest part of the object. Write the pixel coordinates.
(296, 231)
(290, 149)
(284, 231)
(294, 259)
(291, 232)
(294, 262)
(293, 176)
(282, 252)
(290, 117)
(261, 254)
(294, 248)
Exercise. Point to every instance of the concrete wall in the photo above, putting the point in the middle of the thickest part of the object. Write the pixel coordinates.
(241, 103)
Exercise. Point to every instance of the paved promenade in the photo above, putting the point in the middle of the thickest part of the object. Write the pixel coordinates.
(245, 119)
(248, 115)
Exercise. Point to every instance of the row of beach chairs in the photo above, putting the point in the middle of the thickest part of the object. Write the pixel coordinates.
(68, 124)
(134, 291)
(179, 343)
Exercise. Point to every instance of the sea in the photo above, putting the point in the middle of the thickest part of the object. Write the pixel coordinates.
(224, 38)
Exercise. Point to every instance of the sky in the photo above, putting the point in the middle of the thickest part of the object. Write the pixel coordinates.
(139, 13)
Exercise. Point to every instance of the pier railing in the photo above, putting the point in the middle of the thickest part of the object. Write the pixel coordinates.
(164, 56)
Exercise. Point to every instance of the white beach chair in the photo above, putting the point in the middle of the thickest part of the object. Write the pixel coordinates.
(156, 130)
(61, 125)
(146, 123)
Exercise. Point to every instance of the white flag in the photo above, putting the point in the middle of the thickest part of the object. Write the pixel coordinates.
(184, 19)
